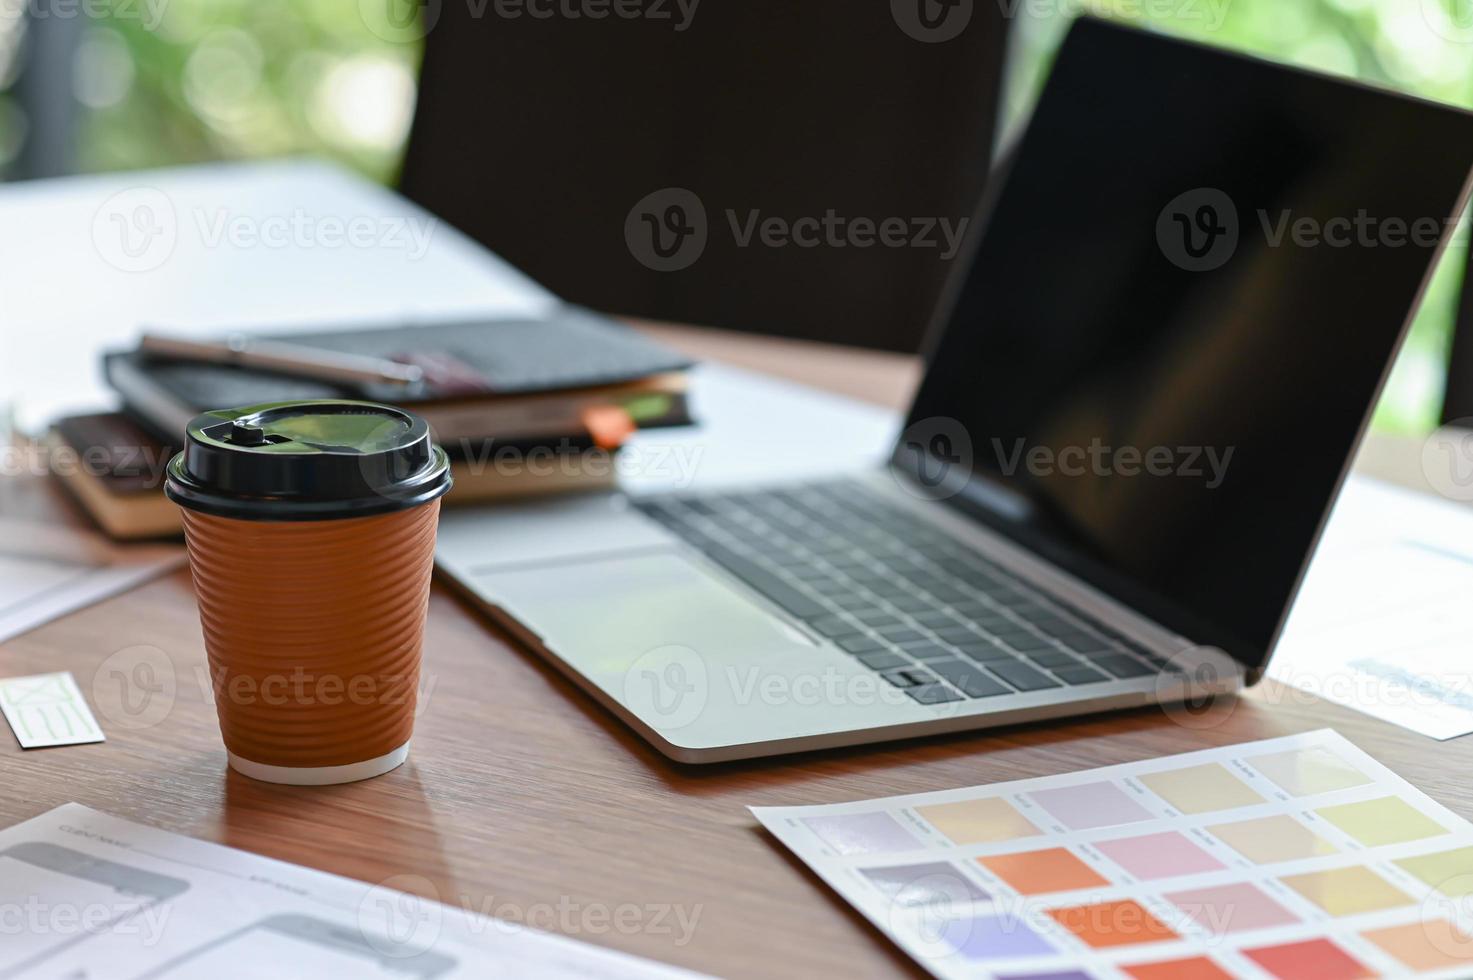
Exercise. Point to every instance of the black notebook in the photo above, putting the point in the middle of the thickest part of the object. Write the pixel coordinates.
(530, 379)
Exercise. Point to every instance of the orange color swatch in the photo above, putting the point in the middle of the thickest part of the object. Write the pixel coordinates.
(1314, 959)
(1054, 869)
(1106, 924)
(1432, 944)
(1192, 968)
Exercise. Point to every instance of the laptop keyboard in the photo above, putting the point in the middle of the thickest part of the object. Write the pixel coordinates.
(930, 615)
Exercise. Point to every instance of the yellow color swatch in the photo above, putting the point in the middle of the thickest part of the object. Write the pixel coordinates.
(1450, 872)
(1201, 789)
(1348, 891)
(1305, 772)
(1271, 839)
(1387, 820)
(978, 821)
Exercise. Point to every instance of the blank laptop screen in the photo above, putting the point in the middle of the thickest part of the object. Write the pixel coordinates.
(1177, 316)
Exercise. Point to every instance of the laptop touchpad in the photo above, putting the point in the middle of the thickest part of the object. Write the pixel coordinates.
(620, 606)
(687, 651)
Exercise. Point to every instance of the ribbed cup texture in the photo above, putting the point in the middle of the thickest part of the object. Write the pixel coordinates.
(314, 631)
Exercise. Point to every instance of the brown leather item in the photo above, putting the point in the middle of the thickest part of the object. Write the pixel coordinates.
(314, 631)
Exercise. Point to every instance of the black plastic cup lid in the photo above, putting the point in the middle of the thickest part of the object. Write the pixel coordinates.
(307, 461)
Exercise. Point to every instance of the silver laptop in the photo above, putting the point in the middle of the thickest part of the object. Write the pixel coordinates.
(1150, 372)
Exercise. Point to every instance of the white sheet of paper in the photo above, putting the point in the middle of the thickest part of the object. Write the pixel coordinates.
(1237, 856)
(1383, 623)
(144, 904)
(48, 570)
(45, 710)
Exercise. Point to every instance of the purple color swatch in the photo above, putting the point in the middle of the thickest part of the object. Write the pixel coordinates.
(991, 937)
(1088, 805)
(1158, 855)
(862, 833)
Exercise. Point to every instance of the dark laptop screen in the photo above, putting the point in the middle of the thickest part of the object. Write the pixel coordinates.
(1178, 315)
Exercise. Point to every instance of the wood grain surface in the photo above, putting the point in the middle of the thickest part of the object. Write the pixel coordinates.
(523, 798)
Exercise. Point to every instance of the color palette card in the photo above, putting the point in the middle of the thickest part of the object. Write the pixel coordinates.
(1298, 858)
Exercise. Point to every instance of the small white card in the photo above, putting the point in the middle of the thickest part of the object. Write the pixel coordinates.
(47, 709)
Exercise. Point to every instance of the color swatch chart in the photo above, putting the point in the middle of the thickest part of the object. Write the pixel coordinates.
(1297, 858)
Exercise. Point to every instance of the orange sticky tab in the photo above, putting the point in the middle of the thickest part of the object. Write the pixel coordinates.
(609, 425)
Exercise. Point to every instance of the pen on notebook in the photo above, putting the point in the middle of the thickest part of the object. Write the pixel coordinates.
(277, 355)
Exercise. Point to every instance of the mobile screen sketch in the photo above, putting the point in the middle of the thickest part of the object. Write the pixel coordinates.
(214, 913)
(313, 946)
(54, 897)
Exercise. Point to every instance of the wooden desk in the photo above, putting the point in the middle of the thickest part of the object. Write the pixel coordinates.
(522, 796)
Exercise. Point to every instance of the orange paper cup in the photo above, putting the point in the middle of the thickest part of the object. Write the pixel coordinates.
(312, 597)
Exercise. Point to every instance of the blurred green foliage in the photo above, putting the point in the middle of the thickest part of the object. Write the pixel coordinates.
(179, 81)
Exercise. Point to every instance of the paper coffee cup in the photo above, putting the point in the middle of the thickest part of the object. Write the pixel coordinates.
(311, 536)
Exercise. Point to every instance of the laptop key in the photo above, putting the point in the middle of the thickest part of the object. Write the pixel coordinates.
(1120, 665)
(834, 626)
(1079, 675)
(970, 679)
(1089, 646)
(933, 694)
(1051, 658)
(882, 660)
(901, 634)
(1023, 677)
(984, 651)
(860, 643)
(924, 650)
(909, 677)
(1027, 641)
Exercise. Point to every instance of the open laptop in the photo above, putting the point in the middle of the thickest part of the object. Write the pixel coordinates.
(1143, 393)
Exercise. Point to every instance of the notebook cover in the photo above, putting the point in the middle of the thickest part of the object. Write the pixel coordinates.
(572, 350)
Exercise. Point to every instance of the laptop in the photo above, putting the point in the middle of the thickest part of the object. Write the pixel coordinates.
(1144, 388)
